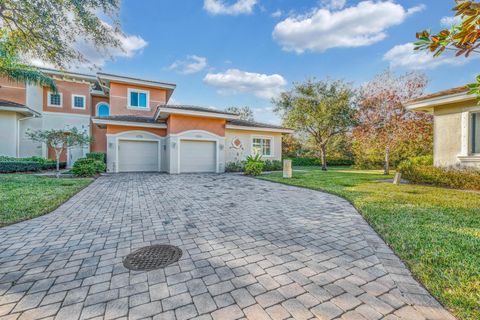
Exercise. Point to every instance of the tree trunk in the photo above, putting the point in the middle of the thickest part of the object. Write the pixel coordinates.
(386, 166)
(57, 157)
(323, 155)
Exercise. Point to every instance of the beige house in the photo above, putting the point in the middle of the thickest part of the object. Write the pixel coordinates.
(456, 126)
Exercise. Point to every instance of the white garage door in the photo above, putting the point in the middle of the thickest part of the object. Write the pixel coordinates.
(137, 156)
(197, 156)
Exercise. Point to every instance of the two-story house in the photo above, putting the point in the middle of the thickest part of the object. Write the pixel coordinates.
(130, 119)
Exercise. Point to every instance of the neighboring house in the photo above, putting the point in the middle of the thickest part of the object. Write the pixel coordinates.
(131, 121)
(456, 134)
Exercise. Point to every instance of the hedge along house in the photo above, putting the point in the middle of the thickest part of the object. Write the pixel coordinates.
(456, 134)
(130, 119)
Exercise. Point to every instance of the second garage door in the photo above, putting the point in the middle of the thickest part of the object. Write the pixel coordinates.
(137, 156)
(197, 156)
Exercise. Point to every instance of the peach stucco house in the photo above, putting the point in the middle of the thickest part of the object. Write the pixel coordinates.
(456, 134)
(130, 119)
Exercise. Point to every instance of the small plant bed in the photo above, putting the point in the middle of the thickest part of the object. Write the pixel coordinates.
(26, 196)
(434, 230)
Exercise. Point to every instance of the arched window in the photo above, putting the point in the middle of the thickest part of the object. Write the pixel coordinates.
(103, 109)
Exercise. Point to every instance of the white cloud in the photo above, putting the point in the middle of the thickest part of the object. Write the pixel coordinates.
(356, 26)
(334, 4)
(235, 8)
(448, 22)
(404, 56)
(277, 14)
(192, 64)
(130, 45)
(235, 81)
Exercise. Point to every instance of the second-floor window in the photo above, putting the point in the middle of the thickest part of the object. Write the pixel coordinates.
(78, 102)
(138, 99)
(55, 99)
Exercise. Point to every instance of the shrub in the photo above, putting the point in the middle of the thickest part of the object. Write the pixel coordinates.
(311, 161)
(87, 167)
(43, 164)
(272, 165)
(235, 166)
(19, 166)
(254, 165)
(421, 170)
(99, 156)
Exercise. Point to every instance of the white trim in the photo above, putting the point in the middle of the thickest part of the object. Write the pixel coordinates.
(22, 110)
(98, 104)
(129, 103)
(217, 151)
(147, 83)
(430, 103)
(194, 131)
(465, 134)
(50, 113)
(55, 105)
(130, 124)
(134, 132)
(207, 114)
(84, 101)
(159, 149)
(272, 142)
(235, 127)
(88, 77)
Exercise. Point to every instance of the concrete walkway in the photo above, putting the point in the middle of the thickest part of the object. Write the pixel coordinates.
(251, 249)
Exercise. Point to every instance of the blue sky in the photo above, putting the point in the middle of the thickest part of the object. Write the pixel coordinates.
(237, 53)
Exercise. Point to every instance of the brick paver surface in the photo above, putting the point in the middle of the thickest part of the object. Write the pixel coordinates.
(251, 249)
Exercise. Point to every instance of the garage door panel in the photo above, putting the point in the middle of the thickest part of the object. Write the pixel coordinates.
(197, 156)
(135, 156)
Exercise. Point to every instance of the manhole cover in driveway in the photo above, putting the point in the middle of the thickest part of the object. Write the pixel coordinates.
(152, 257)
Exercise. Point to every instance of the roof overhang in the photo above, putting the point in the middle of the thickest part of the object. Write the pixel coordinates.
(105, 122)
(263, 129)
(105, 78)
(67, 74)
(427, 105)
(25, 111)
(164, 112)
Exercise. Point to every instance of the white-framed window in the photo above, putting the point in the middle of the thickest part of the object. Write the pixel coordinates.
(262, 146)
(103, 109)
(138, 99)
(55, 99)
(78, 101)
(475, 133)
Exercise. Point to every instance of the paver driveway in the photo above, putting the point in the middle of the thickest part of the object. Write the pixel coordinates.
(251, 249)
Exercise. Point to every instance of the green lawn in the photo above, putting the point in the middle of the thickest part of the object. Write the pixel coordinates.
(436, 231)
(25, 196)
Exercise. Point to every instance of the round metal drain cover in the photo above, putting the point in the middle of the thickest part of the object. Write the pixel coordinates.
(152, 257)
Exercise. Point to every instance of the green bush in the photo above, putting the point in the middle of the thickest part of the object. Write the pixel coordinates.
(254, 165)
(88, 167)
(44, 164)
(235, 166)
(99, 156)
(272, 165)
(421, 170)
(311, 161)
(19, 166)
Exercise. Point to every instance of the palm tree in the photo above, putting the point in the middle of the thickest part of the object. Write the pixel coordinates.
(14, 70)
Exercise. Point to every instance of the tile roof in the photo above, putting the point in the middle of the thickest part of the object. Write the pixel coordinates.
(196, 108)
(438, 94)
(6, 103)
(129, 118)
(244, 123)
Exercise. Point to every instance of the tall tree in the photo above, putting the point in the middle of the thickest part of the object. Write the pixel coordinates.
(384, 123)
(49, 30)
(463, 38)
(245, 113)
(319, 109)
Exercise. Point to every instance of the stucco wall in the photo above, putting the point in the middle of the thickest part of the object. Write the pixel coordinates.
(238, 153)
(8, 134)
(181, 123)
(119, 99)
(452, 135)
(67, 89)
(12, 91)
